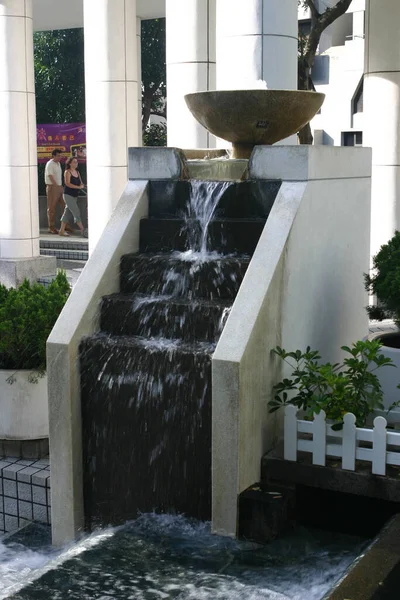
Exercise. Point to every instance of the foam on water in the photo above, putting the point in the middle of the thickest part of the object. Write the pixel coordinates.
(170, 557)
(20, 565)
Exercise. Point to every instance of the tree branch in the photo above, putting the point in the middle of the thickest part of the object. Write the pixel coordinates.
(314, 12)
(323, 21)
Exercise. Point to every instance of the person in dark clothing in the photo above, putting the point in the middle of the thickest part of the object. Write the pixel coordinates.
(73, 184)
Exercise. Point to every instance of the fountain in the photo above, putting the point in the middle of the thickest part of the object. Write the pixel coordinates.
(146, 377)
(253, 117)
(148, 415)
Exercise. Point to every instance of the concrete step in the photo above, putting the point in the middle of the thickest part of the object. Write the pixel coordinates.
(239, 200)
(176, 275)
(174, 318)
(227, 236)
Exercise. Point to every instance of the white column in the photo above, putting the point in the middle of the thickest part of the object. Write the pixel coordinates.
(19, 221)
(256, 43)
(190, 33)
(111, 81)
(382, 116)
(139, 77)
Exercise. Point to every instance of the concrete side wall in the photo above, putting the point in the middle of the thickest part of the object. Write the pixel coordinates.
(80, 318)
(244, 370)
(304, 286)
(328, 251)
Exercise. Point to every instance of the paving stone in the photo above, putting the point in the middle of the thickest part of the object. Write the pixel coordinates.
(11, 506)
(25, 491)
(25, 509)
(10, 472)
(11, 523)
(9, 488)
(40, 478)
(39, 494)
(26, 474)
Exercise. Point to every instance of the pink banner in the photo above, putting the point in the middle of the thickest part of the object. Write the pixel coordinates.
(70, 138)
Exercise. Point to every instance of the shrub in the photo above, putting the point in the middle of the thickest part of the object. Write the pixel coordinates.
(335, 388)
(385, 281)
(27, 316)
(155, 135)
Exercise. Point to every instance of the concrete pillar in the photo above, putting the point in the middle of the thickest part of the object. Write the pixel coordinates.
(382, 116)
(256, 43)
(139, 77)
(190, 33)
(111, 79)
(19, 222)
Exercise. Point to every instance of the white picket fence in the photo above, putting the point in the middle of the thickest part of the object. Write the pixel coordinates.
(382, 446)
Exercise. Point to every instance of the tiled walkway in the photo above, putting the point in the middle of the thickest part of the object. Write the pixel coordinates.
(24, 493)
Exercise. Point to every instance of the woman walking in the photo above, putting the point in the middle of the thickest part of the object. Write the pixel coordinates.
(73, 183)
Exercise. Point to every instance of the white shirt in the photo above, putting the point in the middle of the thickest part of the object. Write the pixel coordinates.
(53, 168)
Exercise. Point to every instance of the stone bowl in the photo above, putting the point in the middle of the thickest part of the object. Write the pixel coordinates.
(249, 118)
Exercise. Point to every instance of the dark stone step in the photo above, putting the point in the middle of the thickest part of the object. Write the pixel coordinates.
(226, 236)
(149, 316)
(240, 200)
(146, 416)
(171, 274)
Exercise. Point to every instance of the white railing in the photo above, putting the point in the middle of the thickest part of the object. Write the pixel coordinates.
(379, 446)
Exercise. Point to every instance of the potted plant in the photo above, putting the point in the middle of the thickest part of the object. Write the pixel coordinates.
(27, 315)
(384, 283)
(350, 387)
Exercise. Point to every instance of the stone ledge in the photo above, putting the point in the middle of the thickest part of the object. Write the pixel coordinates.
(309, 163)
(376, 574)
(156, 163)
(13, 271)
(332, 477)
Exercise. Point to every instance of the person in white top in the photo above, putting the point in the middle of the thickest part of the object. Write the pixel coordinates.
(54, 188)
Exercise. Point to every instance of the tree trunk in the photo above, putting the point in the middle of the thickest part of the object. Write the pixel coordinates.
(146, 109)
(320, 21)
(305, 135)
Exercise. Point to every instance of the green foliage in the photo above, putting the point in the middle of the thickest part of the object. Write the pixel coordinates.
(154, 75)
(385, 281)
(335, 388)
(59, 76)
(155, 135)
(27, 316)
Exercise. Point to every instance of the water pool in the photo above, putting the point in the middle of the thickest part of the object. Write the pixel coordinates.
(169, 557)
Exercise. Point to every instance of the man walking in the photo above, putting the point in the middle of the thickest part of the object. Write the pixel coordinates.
(54, 189)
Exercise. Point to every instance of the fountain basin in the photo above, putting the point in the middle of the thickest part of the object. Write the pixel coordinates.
(248, 118)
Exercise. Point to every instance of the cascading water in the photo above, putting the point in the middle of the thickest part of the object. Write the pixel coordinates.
(146, 379)
(204, 200)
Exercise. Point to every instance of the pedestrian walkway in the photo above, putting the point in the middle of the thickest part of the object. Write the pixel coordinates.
(71, 252)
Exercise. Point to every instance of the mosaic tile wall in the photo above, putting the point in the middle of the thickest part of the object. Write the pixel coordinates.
(24, 493)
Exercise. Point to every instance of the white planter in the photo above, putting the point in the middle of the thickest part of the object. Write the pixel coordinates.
(24, 411)
(389, 377)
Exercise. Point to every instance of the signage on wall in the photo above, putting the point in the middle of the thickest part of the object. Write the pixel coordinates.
(70, 138)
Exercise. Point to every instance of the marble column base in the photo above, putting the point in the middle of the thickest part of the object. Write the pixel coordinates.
(13, 271)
